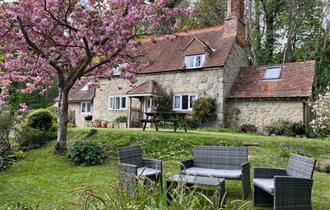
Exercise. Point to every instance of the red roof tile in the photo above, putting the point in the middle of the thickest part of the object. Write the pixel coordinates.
(296, 80)
(167, 53)
(75, 95)
(149, 87)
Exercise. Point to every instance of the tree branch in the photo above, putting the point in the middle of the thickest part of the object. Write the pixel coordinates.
(57, 20)
(34, 47)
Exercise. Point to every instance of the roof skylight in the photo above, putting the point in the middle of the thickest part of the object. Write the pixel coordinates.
(85, 88)
(272, 73)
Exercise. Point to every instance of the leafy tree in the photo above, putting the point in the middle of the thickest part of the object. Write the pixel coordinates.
(206, 13)
(63, 41)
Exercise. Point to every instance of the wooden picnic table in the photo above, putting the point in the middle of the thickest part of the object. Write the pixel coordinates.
(175, 117)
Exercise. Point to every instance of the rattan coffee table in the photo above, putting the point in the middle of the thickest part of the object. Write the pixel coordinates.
(189, 180)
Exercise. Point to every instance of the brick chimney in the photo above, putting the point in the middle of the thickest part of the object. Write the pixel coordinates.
(234, 22)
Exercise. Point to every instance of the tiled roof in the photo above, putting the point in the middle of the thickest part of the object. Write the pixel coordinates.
(75, 95)
(167, 53)
(296, 80)
(149, 87)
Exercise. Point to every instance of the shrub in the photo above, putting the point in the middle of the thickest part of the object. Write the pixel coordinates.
(204, 110)
(248, 128)
(41, 119)
(165, 104)
(6, 125)
(37, 128)
(286, 128)
(86, 153)
(121, 119)
(30, 138)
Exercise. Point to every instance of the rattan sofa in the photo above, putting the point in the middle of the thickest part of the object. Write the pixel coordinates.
(132, 167)
(222, 162)
(285, 189)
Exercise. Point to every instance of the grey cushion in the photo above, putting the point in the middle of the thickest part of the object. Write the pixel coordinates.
(144, 171)
(230, 174)
(265, 184)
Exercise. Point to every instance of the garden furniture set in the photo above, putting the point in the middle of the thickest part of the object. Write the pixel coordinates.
(285, 189)
(173, 117)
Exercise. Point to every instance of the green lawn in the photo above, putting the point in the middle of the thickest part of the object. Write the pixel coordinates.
(44, 180)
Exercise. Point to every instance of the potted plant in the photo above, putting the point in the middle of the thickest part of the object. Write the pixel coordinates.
(121, 121)
(98, 123)
(104, 124)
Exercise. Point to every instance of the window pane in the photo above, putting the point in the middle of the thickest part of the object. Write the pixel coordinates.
(185, 102)
(117, 105)
(83, 107)
(88, 107)
(123, 102)
(176, 102)
(198, 61)
(190, 62)
(111, 103)
(272, 73)
(192, 100)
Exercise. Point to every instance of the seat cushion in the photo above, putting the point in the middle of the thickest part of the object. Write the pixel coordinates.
(144, 171)
(229, 174)
(265, 184)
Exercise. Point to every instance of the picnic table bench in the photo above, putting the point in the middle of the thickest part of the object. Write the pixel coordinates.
(174, 117)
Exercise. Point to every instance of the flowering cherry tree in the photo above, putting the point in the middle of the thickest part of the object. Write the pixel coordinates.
(321, 108)
(46, 41)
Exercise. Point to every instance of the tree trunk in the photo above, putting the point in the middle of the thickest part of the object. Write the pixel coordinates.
(62, 119)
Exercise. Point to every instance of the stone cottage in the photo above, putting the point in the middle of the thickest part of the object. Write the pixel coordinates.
(204, 62)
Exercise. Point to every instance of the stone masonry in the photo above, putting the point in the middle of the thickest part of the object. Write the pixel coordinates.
(263, 112)
(207, 82)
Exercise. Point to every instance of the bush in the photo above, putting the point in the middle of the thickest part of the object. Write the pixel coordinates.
(37, 128)
(41, 119)
(248, 128)
(86, 153)
(204, 110)
(6, 125)
(30, 138)
(121, 119)
(165, 104)
(286, 128)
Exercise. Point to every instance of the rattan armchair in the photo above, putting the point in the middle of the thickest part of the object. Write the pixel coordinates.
(285, 189)
(132, 167)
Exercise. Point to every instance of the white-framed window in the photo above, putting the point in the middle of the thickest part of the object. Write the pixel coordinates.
(117, 103)
(117, 71)
(194, 61)
(85, 88)
(182, 102)
(272, 73)
(85, 107)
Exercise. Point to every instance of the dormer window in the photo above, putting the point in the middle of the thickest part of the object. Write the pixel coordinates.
(272, 73)
(194, 61)
(84, 89)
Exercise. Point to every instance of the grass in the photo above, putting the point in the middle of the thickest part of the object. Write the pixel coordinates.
(44, 180)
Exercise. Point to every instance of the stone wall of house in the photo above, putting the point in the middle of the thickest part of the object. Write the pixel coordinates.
(79, 118)
(206, 82)
(236, 59)
(262, 113)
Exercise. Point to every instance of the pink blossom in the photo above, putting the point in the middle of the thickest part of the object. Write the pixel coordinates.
(23, 108)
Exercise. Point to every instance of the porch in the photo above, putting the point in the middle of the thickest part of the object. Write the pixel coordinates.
(141, 100)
